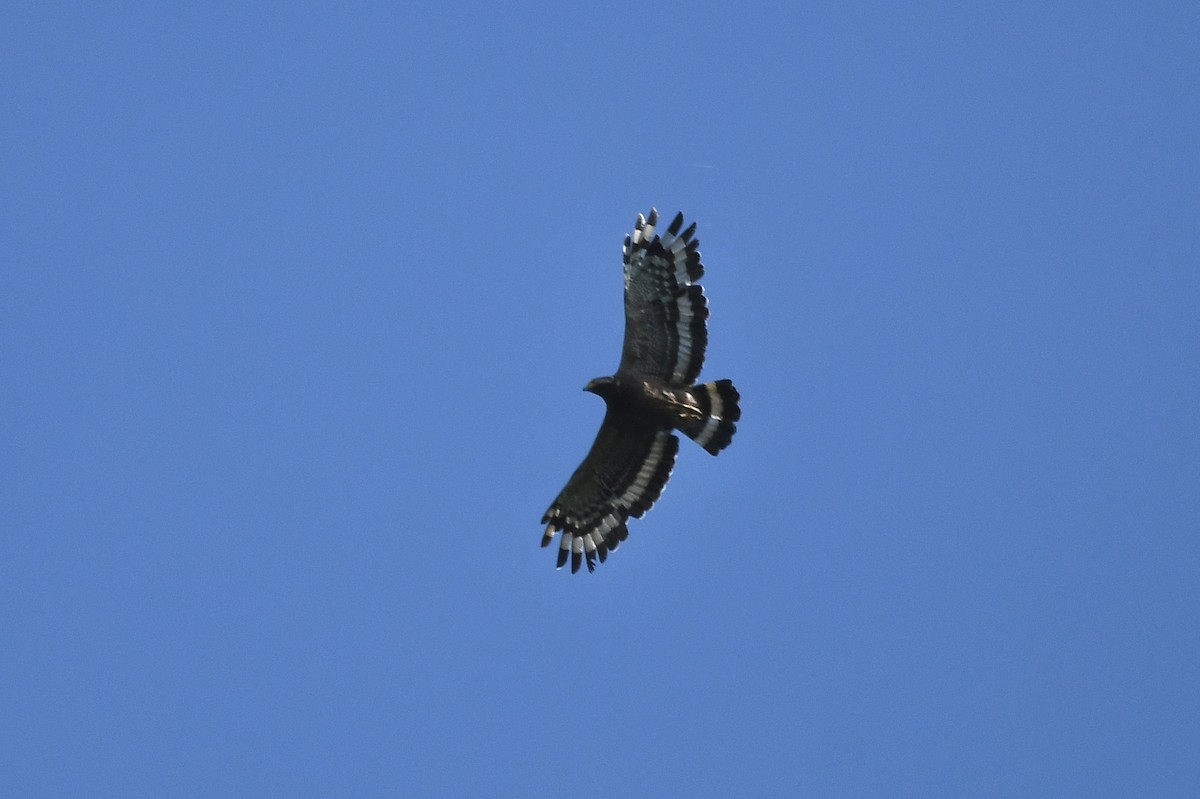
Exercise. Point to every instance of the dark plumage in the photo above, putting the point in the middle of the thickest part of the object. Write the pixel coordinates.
(651, 394)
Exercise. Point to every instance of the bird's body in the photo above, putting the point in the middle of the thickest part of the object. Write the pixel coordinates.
(644, 400)
(651, 394)
(689, 410)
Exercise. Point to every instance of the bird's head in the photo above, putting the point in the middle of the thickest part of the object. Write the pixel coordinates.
(601, 385)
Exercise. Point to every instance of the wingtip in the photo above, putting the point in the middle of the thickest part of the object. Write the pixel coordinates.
(676, 223)
(553, 525)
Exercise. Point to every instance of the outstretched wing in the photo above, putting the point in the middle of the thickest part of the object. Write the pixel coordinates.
(622, 476)
(665, 334)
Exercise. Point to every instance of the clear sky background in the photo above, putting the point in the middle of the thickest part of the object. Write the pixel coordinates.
(298, 300)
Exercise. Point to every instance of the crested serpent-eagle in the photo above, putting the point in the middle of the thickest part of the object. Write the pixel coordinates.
(651, 394)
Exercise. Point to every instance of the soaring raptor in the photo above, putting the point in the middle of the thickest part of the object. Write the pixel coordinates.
(651, 394)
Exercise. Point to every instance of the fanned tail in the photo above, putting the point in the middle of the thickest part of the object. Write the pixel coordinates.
(718, 403)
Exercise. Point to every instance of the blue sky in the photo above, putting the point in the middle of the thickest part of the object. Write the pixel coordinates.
(298, 301)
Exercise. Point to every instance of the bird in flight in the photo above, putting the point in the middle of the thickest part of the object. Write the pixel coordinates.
(651, 395)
